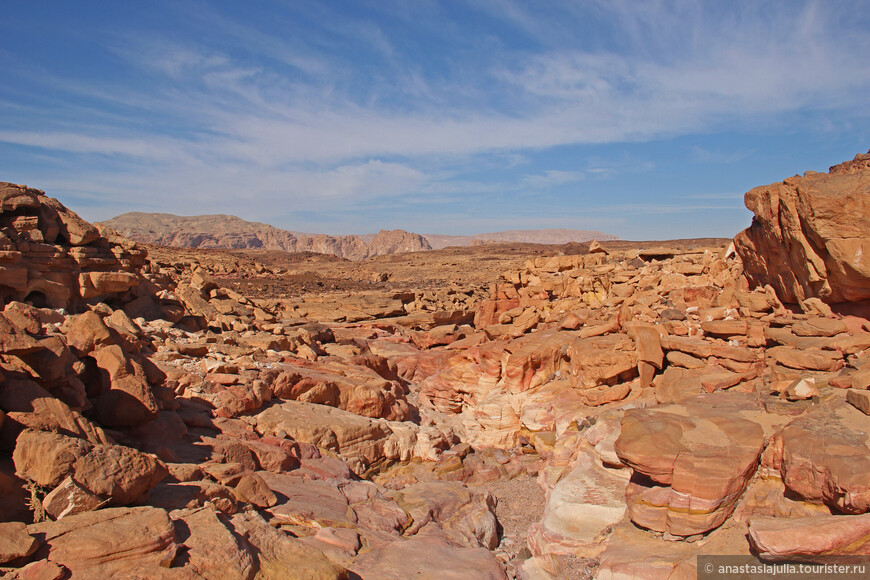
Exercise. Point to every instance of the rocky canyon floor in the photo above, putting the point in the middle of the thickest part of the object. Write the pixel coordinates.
(608, 410)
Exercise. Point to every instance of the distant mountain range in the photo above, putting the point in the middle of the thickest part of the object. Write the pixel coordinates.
(554, 236)
(231, 232)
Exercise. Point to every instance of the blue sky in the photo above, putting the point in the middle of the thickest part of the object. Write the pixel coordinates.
(648, 120)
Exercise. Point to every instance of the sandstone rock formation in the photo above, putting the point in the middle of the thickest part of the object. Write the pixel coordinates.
(810, 233)
(51, 257)
(226, 231)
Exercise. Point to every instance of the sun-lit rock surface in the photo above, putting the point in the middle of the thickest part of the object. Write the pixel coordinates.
(809, 234)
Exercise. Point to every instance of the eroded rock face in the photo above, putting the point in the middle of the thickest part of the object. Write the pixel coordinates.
(225, 231)
(580, 509)
(388, 242)
(52, 257)
(312, 436)
(810, 234)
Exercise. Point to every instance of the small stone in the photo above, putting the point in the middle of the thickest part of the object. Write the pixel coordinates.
(69, 498)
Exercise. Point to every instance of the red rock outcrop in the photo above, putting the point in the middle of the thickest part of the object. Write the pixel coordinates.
(810, 235)
(51, 257)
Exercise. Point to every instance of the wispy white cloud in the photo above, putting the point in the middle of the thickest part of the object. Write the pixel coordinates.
(253, 113)
(150, 148)
(552, 178)
(704, 155)
(571, 96)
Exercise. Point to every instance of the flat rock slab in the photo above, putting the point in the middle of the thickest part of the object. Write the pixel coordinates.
(15, 542)
(307, 502)
(634, 553)
(809, 359)
(428, 558)
(112, 542)
(788, 538)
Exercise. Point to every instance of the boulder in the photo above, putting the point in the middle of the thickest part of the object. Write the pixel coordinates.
(809, 235)
(213, 551)
(354, 388)
(15, 542)
(252, 489)
(604, 359)
(824, 456)
(860, 399)
(31, 406)
(467, 517)
(307, 503)
(691, 462)
(87, 331)
(68, 499)
(15, 340)
(363, 442)
(115, 473)
(126, 399)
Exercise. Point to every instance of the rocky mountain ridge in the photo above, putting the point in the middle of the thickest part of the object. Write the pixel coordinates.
(230, 232)
(545, 236)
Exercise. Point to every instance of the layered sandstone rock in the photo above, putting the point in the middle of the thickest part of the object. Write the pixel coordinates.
(824, 456)
(429, 557)
(362, 441)
(691, 464)
(51, 257)
(580, 510)
(791, 539)
(810, 233)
